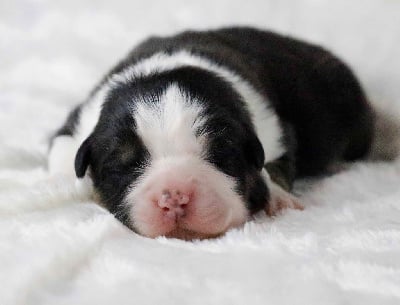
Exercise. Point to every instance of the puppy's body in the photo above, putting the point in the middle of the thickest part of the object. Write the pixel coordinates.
(179, 134)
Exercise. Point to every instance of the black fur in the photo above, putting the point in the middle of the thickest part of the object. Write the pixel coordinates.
(320, 104)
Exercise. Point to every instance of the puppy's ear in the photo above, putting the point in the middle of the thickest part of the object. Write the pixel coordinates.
(254, 151)
(83, 157)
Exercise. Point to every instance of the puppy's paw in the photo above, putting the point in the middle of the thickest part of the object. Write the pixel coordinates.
(281, 199)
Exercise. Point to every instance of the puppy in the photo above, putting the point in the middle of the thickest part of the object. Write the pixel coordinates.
(190, 135)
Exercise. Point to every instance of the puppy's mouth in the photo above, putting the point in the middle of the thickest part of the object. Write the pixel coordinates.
(183, 230)
(189, 235)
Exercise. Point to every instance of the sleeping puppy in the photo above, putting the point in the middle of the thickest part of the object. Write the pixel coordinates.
(190, 135)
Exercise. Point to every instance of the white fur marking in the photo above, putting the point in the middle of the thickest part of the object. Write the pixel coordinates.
(169, 127)
(90, 114)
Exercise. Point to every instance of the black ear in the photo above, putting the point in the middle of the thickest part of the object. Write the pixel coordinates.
(254, 151)
(83, 157)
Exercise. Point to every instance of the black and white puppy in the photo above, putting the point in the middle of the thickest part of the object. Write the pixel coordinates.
(190, 135)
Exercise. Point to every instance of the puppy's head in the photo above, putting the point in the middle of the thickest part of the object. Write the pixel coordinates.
(180, 161)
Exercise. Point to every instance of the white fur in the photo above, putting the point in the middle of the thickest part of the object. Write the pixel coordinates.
(64, 148)
(90, 113)
(169, 127)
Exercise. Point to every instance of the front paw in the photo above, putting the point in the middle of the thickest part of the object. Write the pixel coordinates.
(281, 199)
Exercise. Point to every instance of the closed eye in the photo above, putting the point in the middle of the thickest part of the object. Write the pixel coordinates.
(126, 158)
(126, 153)
(225, 157)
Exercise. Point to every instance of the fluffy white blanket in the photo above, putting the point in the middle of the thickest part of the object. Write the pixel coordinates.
(58, 247)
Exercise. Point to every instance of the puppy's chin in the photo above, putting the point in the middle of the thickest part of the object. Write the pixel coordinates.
(210, 206)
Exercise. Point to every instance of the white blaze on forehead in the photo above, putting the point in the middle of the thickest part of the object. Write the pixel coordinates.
(170, 125)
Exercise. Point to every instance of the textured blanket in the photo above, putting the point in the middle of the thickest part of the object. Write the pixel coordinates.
(58, 247)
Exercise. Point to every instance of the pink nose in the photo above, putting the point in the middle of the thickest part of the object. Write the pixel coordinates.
(173, 203)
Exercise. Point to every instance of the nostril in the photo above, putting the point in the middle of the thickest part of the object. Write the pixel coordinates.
(183, 199)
